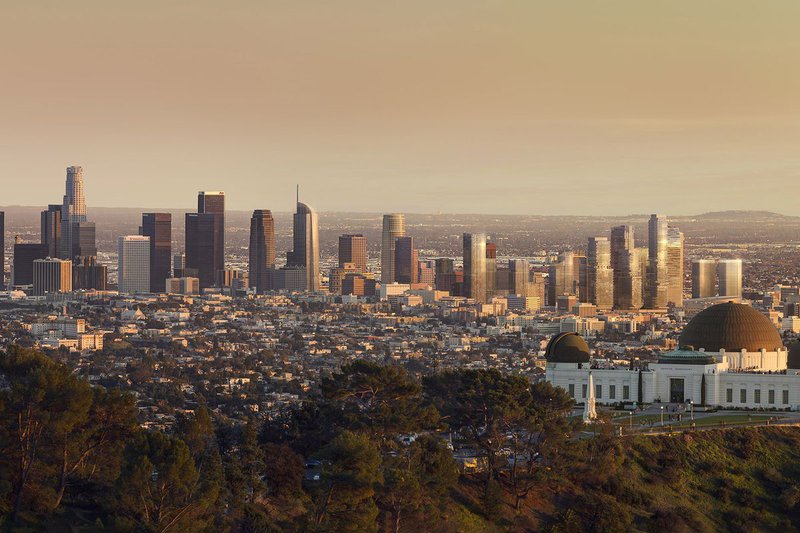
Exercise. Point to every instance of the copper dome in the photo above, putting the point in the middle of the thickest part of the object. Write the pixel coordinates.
(731, 327)
(567, 348)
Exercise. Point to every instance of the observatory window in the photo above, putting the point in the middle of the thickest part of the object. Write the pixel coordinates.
(612, 392)
(742, 395)
(626, 392)
(583, 389)
(771, 396)
(786, 397)
(572, 390)
(598, 391)
(729, 396)
(757, 395)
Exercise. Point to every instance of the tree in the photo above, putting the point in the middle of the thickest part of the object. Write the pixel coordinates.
(345, 494)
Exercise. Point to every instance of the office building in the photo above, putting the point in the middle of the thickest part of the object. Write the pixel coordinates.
(205, 237)
(675, 240)
(622, 264)
(491, 270)
(133, 272)
(394, 226)
(289, 278)
(337, 275)
(426, 272)
(262, 249)
(704, 278)
(178, 265)
(51, 229)
(405, 260)
(474, 245)
(353, 249)
(158, 227)
(51, 276)
(73, 211)
(729, 277)
(657, 270)
(24, 256)
(518, 274)
(88, 274)
(563, 277)
(445, 274)
(182, 286)
(2, 249)
(306, 246)
(600, 276)
(83, 240)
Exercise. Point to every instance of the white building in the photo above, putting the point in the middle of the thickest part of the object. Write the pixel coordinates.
(134, 264)
(730, 355)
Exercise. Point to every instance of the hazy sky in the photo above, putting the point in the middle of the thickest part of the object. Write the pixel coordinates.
(562, 107)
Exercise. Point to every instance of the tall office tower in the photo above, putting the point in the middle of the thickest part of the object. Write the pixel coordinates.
(641, 258)
(563, 277)
(133, 273)
(622, 249)
(205, 237)
(519, 273)
(262, 249)
(83, 240)
(51, 229)
(394, 226)
(353, 249)
(158, 226)
(306, 246)
(581, 264)
(2, 249)
(73, 210)
(337, 275)
(600, 276)
(491, 269)
(445, 274)
(405, 260)
(704, 278)
(729, 276)
(178, 265)
(51, 275)
(475, 266)
(675, 242)
(426, 272)
(87, 273)
(24, 256)
(657, 270)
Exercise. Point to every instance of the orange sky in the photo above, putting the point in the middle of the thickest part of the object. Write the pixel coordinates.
(562, 107)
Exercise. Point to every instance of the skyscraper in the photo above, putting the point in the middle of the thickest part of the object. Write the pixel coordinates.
(262, 249)
(600, 276)
(2, 249)
(675, 241)
(474, 245)
(158, 227)
(178, 265)
(353, 249)
(306, 245)
(205, 237)
(83, 240)
(405, 260)
(563, 277)
(51, 276)
(393, 226)
(73, 211)
(491, 269)
(133, 273)
(24, 256)
(704, 278)
(657, 284)
(729, 276)
(622, 263)
(519, 271)
(51, 229)
(445, 274)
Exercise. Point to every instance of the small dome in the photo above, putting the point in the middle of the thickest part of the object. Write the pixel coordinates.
(686, 356)
(731, 327)
(793, 362)
(567, 348)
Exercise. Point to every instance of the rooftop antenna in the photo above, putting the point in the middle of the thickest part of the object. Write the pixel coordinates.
(298, 193)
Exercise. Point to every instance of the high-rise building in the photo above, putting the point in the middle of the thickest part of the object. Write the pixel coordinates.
(51, 229)
(519, 272)
(51, 276)
(353, 249)
(600, 276)
(563, 277)
(2, 249)
(83, 240)
(182, 286)
(641, 258)
(704, 278)
(73, 211)
(87, 273)
(657, 283)
(337, 275)
(262, 249)
(426, 272)
(133, 272)
(394, 226)
(622, 264)
(205, 237)
(475, 266)
(178, 265)
(158, 226)
(24, 256)
(445, 274)
(306, 246)
(491, 270)
(675, 242)
(729, 276)
(405, 260)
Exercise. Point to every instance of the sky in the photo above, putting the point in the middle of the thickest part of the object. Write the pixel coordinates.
(457, 106)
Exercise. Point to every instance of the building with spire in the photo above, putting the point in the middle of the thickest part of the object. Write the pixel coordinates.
(305, 253)
(73, 211)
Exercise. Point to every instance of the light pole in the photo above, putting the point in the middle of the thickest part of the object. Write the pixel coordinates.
(691, 410)
(662, 415)
(630, 416)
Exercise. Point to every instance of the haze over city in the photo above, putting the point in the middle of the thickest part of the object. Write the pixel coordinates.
(458, 107)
